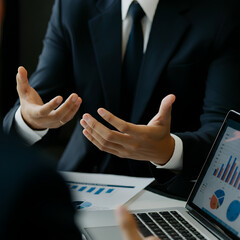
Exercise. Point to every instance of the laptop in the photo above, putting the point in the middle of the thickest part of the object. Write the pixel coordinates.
(212, 210)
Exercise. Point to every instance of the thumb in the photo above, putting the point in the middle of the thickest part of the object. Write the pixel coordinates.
(127, 224)
(164, 114)
(22, 82)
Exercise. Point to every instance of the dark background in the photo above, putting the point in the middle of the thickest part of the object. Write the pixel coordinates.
(24, 27)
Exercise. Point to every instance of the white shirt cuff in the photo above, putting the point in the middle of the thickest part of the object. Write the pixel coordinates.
(176, 161)
(29, 135)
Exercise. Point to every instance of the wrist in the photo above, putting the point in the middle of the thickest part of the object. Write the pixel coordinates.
(167, 150)
(31, 125)
(29, 135)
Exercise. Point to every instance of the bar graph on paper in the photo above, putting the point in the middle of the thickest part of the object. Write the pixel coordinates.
(90, 192)
(96, 189)
(102, 191)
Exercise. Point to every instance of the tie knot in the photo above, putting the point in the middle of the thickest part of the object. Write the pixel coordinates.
(136, 11)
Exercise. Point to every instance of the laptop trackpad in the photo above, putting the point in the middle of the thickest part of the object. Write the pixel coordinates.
(103, 233)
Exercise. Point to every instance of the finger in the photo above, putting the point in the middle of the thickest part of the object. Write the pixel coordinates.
(22, 82)
(164, 114)
(69, 115)
(151, 238)
(60, 112)
(118, 123)
(46, 113)
(127, 224)
(100, 129)
(50, 106)
(166, 105)
(99, 141)
(98, 144)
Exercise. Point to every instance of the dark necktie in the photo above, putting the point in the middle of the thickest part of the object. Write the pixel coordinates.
(132, 60)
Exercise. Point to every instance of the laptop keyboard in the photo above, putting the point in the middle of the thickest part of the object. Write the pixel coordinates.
(166, 225)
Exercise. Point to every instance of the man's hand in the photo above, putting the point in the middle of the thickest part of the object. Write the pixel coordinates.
(151, 142)
(128, 225)
(39, 115)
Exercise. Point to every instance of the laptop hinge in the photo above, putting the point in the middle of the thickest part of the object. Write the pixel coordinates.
(214, 229)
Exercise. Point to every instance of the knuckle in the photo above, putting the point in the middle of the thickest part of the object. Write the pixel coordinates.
(92, 124)
(90, 131)
(101, 147)
(123, 128)
(109, 137)
(91, 138)
(104, 142)
(109, 118)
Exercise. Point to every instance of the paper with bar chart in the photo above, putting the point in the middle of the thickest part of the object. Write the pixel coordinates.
(219, 193)
(102, 191)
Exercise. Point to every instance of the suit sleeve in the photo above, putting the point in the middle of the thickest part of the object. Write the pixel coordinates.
(55, 56)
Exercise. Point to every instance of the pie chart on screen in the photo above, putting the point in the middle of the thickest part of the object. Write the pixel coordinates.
(217, 199)
(233, 210)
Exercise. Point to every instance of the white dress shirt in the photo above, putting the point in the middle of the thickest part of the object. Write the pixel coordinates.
(149, 7)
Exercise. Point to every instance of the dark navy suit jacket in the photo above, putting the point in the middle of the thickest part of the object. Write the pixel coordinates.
(193, 52)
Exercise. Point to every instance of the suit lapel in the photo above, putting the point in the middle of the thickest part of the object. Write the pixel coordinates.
(168, 28)
(106, 35)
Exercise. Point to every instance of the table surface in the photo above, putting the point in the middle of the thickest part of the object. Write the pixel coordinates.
(146, 199)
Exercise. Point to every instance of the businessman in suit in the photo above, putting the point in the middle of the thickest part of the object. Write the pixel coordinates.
(189, 49)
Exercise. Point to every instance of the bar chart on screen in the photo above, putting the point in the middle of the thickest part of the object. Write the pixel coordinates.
(226, 165)
(229, 173)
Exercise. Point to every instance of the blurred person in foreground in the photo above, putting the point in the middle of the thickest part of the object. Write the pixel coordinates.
(34, 202)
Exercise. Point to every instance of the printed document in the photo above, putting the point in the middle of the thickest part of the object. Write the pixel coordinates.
(102, 191)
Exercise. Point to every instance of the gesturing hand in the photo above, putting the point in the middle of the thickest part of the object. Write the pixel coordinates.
(151, 142)
(128, 225)
(39, 115)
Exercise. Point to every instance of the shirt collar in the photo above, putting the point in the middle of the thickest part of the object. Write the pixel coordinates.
(148, 6)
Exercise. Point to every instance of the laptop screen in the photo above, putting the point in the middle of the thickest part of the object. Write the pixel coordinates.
(216, 194)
